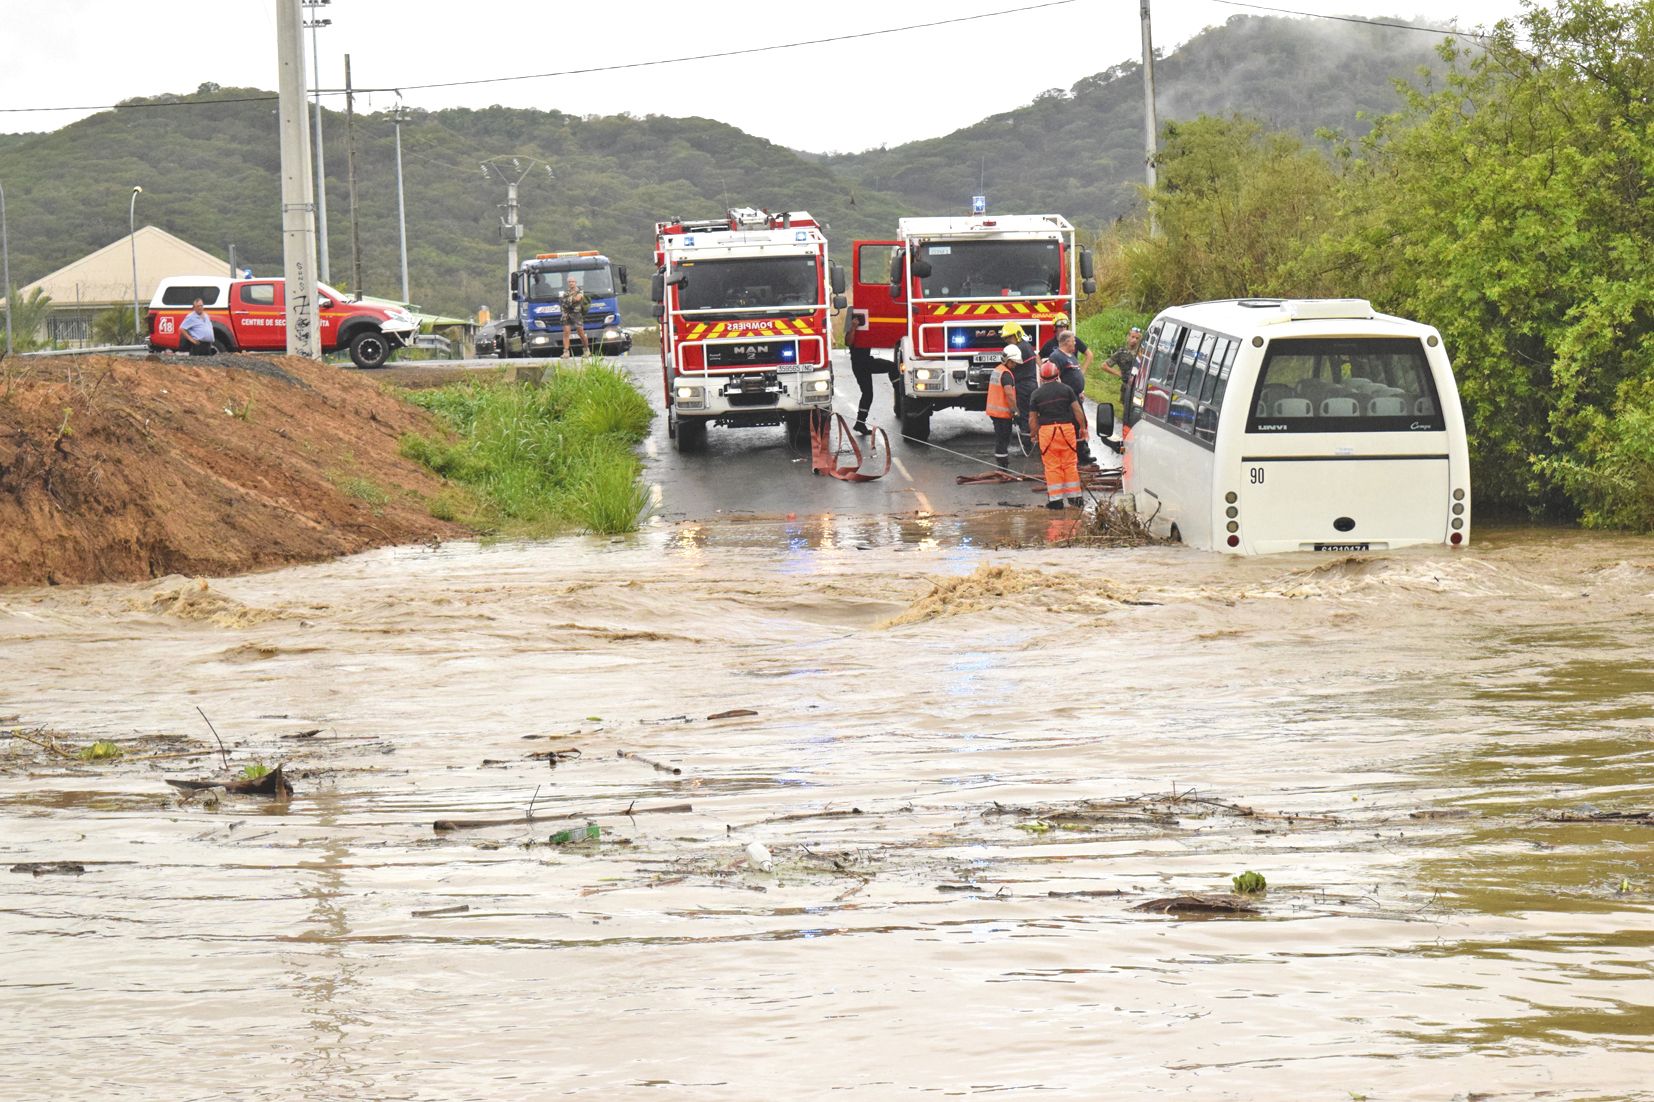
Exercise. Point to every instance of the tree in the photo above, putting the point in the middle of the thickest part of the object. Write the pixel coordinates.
(28, 319)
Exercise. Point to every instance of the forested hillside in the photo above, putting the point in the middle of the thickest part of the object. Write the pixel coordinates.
(208, 164)
(1080, 152)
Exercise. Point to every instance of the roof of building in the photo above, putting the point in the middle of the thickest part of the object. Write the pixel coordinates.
(105, 276)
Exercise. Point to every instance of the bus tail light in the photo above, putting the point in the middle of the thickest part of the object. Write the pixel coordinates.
(1234, 541)
(1456, 538)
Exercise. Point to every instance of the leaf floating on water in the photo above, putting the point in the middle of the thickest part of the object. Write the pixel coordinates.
(732, 713)
(1038, 826)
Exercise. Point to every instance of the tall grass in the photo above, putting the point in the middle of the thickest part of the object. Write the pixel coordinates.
(1105, 333)
(541, 459)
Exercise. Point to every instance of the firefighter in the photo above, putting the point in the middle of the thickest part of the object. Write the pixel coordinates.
(1002, 404)
(1058, 424)
(1061, 326)
(1027, 370)
(863, 364)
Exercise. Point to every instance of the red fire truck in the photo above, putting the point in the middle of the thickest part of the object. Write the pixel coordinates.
(937, 297)
(743, 304)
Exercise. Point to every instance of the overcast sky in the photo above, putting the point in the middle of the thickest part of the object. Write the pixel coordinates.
(840, 96)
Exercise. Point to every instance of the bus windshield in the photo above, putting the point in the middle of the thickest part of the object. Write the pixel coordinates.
(1363, 384)
(991, 269)
(596, 282)
(748, 282)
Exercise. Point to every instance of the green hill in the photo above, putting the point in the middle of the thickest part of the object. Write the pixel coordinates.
(1080, 152)
(209, 166)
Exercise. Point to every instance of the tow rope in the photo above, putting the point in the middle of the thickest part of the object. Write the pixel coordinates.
(825, 454)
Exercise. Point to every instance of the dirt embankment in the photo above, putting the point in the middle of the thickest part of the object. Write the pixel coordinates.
(121, 468)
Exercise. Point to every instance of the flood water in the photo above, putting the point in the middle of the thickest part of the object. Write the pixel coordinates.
(1036, 740)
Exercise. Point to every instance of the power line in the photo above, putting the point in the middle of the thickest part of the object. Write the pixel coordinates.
(581, 72)
(1351, 19)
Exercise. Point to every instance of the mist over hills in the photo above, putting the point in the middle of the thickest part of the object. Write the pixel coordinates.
(209, 168)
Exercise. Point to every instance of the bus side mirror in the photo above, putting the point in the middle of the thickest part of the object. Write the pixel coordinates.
(840, 302)
(657, 289)
(921, 269)
(1105, 420)
(1089, 287)
(839, 285)
(621, 271)
(516, 283)
(1088, 266)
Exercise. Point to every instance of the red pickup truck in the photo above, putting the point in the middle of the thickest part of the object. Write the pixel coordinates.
(250, 315)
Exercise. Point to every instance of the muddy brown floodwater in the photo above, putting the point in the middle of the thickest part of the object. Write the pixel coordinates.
(968, 766)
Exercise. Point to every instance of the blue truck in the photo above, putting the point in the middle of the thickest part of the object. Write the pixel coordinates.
(537, 289)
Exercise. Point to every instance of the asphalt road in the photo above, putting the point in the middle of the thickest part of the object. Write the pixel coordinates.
(754, 472)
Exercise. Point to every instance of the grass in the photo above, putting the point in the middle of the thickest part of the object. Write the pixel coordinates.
(538, 460)
(102, 750)
(363, 489)
(255, 771)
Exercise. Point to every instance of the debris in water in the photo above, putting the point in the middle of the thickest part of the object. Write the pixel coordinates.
(442, 826)
(732, 713)
(591, 832)
(1566, 815)
(1249, 883)
(51, 868)
(672, 769)
(273, 784)
(1197, 905)
(455, 910)
(759, 857)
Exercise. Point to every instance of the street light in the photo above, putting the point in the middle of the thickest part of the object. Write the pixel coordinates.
(5, 258)
(321, 159)
(132, 227)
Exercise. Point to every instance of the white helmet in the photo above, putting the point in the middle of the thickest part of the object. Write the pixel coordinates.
(1013, 354)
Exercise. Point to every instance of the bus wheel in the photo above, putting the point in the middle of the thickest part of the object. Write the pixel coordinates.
(691, 435)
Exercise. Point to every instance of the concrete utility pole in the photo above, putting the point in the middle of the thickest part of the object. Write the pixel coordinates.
(401, 210)
(321, 157)
(350, 171)
(5, 259)
(511, 172)
(1151, 126)
(298, 227)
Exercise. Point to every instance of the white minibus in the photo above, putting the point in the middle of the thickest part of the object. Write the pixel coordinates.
(1267, 425)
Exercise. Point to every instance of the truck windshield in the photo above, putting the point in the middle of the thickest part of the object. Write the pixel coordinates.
(991, 269)
(596, 282)
(774, 281)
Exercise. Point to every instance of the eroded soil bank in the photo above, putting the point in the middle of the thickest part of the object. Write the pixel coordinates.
(115, 468)
(969, 770)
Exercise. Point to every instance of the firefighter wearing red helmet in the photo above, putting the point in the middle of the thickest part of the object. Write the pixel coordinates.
(1058, 424)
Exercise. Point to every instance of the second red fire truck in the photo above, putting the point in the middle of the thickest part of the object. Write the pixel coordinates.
(743, 302)
(938, 295)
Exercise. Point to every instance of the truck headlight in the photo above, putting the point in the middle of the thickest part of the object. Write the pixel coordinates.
(819, 386)
(690, 397)
(608, 319)
(928, 373)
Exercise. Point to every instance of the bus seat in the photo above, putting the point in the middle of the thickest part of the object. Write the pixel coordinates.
(1386, 407)
(1293, 407)
(1424, 407)
(1339, 407)
(1274, 392)
(1363, 386)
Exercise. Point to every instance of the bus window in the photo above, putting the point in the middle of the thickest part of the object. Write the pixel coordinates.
(1186, 362)
(1214, 365)
(1357, 384)
(1160, 365)
(1223, 375)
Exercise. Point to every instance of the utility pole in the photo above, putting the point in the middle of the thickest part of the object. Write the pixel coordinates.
(350, 171)
(321, 157)
(5, 260)
(510, 228)
(1151, 126)
(401, 210)
(298, 227)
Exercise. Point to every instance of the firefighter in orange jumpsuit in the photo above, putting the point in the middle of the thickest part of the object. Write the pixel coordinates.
(1002, 404)
(1057, 421)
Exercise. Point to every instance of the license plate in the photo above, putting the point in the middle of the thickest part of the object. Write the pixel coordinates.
(1343, 547)
(987, 357)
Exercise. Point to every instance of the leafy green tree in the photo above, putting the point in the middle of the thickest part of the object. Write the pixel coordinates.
(114, 326)
(28, 320)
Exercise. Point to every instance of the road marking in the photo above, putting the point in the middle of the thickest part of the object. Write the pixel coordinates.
(896, 461)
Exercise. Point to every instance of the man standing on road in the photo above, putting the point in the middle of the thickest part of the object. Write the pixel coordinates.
(575, 303)
(195, 335)
(1027, 370)
(1002, 404)
(1058, 422)
(1081, 352)
(1125, 362)
(1073, 377)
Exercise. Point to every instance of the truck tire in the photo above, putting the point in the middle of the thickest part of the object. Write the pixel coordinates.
(691, 435)
(224, 339)
(369, 349)
(798, 431)
(915, 422)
